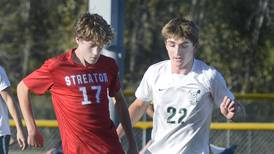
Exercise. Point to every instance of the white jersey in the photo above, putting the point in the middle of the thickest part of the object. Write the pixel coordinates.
(183, 105)
(4, 116)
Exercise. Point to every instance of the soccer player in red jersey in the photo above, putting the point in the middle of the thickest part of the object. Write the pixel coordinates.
(80, 82)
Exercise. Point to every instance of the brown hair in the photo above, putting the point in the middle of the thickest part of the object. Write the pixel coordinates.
(92, 27)
(181, 28)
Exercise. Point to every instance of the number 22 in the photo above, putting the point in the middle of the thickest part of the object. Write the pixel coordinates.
(86, 101)
(172, 112)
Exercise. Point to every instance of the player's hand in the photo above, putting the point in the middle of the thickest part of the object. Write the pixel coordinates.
(228, 108)
(35, 138)
(21, 139)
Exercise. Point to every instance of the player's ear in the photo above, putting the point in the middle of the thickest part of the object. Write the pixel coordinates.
(77, 40)
(165, 42)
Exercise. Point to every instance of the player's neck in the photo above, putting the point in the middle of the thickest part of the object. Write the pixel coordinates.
(181, 69)
(78, 59)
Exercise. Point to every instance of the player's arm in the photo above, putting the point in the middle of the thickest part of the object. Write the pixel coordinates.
(232, 109)
(136, 111)
(35, 138)
(121, 107)
(12, 107)
(150, 110)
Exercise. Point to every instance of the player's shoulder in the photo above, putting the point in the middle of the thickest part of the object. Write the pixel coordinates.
(1, 68)
(157, 67)
(201, 68)
(61, 57)
(107, 59)
(55, 61)
(3, 75)
(1, 72)
(107, 63)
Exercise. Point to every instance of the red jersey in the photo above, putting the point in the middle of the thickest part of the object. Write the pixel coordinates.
(80, 100)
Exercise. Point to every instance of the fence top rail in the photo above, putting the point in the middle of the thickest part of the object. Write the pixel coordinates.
(222, 126)
(255, 96)
(148, 124)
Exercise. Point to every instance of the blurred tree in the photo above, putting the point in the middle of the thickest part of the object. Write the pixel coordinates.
(32, 31)
(236, 36)
(232, 40)
(143, 42)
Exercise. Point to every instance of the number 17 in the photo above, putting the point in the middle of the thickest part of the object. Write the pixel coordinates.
(86, 101)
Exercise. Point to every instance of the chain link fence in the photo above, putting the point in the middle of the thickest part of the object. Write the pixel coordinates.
(247, 141)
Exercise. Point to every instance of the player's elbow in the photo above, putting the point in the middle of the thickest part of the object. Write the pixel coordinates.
(21, 86)
(22, 90)
(139, 105)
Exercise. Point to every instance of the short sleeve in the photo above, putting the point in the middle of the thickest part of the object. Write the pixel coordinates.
(144, 90)
(40, 80)
(4, 81)
(115, 81)
(219, 89)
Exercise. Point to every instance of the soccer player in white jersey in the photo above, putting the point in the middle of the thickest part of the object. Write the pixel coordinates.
(184, 91)
(7, 104)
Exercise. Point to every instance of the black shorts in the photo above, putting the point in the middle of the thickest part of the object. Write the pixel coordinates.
(4, 144)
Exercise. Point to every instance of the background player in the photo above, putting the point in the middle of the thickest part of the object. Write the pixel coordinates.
(7, 104)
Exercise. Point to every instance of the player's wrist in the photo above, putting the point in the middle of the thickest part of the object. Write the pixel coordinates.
(32, 130)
